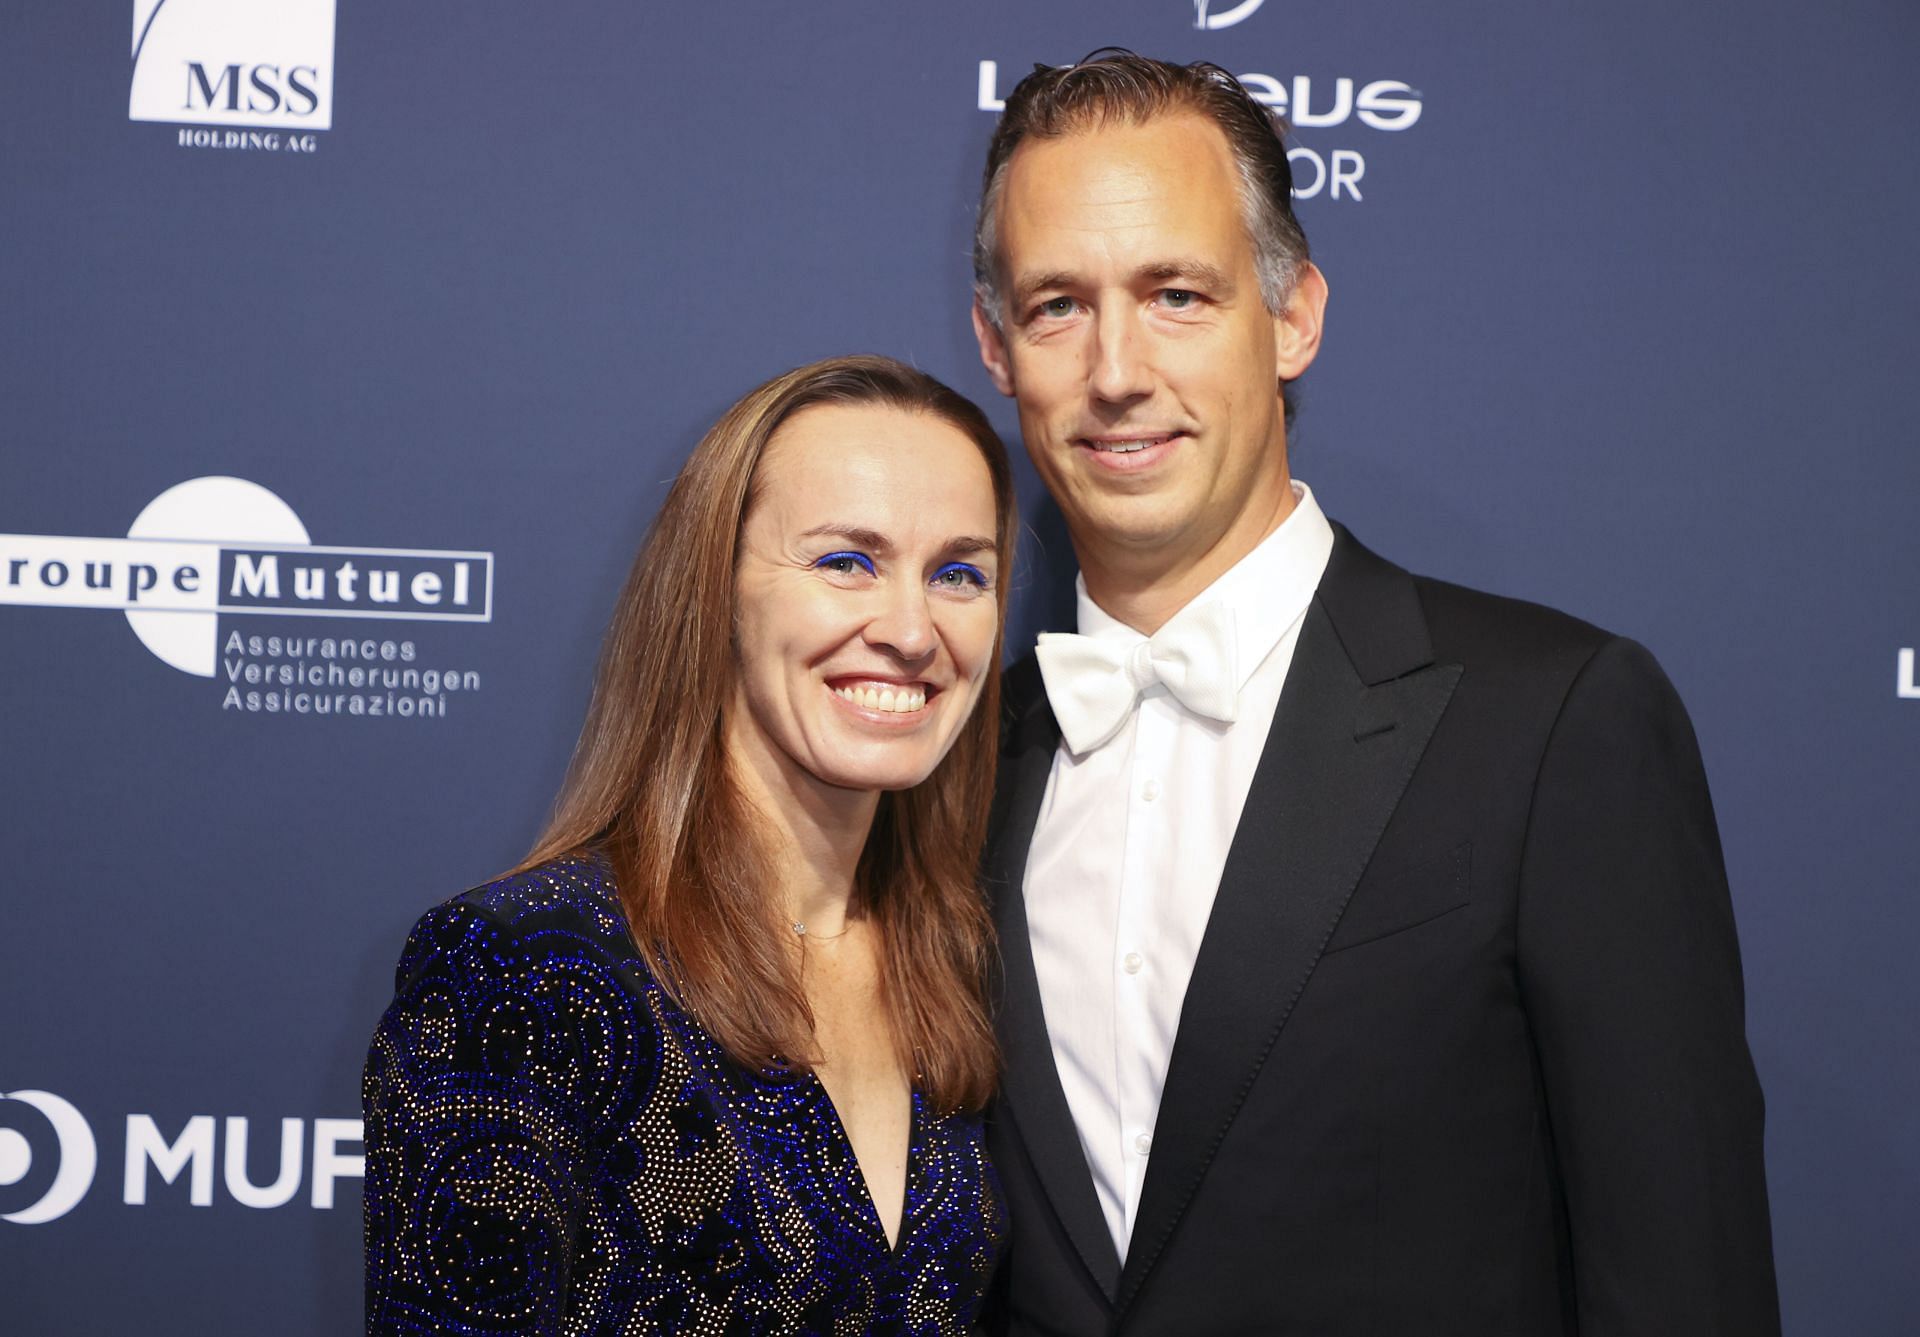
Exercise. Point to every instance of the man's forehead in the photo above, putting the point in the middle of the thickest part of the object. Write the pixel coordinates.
(1122, 186)
(1130, 155)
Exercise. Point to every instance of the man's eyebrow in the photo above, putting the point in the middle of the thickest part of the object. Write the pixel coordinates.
(1029, 285)
(1197, 272)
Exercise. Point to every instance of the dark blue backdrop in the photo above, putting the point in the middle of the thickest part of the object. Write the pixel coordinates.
(1620, 322)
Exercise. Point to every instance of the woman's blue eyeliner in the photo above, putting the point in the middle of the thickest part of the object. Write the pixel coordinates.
(974, 573)
(866, 563)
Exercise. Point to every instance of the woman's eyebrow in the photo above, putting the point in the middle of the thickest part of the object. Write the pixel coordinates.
(871, 539)
(874, 541)
(969, 545)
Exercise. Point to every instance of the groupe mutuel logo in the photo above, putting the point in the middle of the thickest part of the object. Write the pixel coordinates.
(219, 547)
(51, 1165)
(1309, 102)
(235, 74)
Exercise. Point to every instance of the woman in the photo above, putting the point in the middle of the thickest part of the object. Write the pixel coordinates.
(711, 1061)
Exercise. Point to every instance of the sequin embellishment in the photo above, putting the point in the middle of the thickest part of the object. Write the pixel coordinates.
(554, 1148)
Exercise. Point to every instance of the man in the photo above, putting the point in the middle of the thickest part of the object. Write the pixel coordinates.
(1368, 962)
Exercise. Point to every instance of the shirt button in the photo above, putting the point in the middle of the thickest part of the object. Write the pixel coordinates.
(1150, 790)
(1133, 961)
(1143, 1143)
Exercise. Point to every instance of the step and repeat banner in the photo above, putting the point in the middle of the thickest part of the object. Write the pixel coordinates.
(346, 351)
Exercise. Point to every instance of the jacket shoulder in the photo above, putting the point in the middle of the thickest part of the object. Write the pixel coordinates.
(1469, 626)
(525, 994)
(556, 908)
(580, 884)
(1543, 662)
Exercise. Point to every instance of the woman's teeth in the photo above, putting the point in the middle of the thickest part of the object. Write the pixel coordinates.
(894, 700)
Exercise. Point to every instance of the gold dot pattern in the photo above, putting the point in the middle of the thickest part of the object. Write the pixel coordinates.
(554, 1148)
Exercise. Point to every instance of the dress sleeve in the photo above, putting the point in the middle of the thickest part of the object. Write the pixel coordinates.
(1630, 968)
(483, 1090)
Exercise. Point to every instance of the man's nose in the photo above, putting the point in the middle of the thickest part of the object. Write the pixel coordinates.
(1120, 371)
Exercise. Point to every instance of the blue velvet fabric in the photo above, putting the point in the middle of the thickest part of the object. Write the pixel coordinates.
(553, 1147)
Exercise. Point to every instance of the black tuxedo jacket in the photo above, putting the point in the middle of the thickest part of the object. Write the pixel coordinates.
(1463, 1050)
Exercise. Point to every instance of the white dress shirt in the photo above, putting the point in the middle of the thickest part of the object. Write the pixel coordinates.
(1127, 855)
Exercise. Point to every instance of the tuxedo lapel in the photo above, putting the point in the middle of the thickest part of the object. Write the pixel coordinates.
(1361, 701)
(1030, 1083)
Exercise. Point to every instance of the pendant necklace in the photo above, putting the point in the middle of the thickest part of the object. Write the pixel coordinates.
(801, 929)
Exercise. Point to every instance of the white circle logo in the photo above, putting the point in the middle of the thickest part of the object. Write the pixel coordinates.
(78, 1157)
(1225, 18)
(206, 510)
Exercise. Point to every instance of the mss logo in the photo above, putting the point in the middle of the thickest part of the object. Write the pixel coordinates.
(233, 62)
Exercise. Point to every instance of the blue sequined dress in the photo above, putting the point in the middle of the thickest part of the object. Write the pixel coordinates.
(553, 1147)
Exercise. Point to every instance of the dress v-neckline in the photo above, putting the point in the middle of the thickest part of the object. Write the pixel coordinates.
(889, 1247)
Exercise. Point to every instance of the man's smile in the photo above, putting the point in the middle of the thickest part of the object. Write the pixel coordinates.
(1131, 451)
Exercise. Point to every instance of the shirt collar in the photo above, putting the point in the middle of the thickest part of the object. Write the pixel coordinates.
(1268, 590)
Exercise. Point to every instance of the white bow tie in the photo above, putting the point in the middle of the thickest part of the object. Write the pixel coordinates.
(1094, 682)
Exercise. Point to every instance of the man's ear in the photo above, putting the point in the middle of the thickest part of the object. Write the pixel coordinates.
(993, 350)
(1296, 330)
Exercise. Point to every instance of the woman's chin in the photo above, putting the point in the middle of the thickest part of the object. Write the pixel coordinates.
(875, 768)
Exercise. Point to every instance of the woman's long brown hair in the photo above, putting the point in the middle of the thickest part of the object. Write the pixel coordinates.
(649, 785)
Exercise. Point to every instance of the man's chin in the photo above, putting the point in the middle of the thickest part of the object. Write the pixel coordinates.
(1133, 524)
